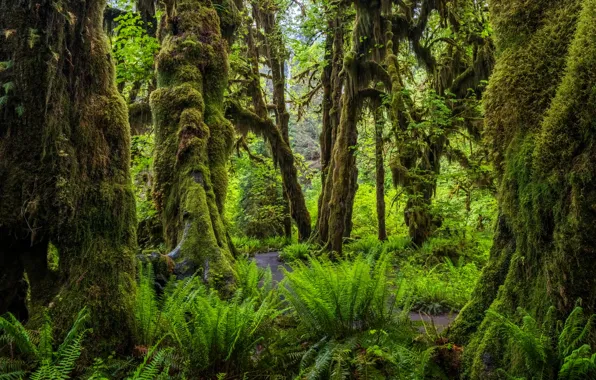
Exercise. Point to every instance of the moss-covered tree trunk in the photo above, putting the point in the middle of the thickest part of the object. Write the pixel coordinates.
(276, 133)
(380, 170)
(64, 168)
(332, 81)
(193, 138)
(540, 113)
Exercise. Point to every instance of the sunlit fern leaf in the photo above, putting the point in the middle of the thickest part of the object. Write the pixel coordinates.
(581, 364)
(68, 356)
(46, 339)
(155, 364)
(18, 335)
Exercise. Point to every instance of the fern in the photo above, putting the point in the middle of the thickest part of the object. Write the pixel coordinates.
(580, 364)
(346, 312)
(40, 356)
(146, 311)
(206, 331)
(567, 352)
(154, 366)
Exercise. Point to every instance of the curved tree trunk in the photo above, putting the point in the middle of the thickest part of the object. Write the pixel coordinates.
(275, 133)
(193, 139)
(64, 167)
(540, 112)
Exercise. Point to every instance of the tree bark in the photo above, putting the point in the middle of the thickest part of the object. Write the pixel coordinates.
(260, 123)
(193, 139)
(380, 170)
(332, 86)
(64, 167)
(540, 115)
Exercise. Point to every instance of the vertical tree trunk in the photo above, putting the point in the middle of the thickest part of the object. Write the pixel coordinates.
(380, 170)
(260, 123)
(193, 139)
(343, 175)
(540, 116)
(265, 15)
(64, 166)
(333, 85)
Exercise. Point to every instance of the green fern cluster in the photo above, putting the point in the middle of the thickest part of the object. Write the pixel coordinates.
(33, 354)
(552, 349)
(298, 251)
(348, 325)
(208, 333)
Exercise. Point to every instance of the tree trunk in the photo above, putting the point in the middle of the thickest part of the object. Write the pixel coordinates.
(193, 139)
(380, 170)
(344, 173)
(260, 123)
(540, 112)
(332, 85)
(64, 167)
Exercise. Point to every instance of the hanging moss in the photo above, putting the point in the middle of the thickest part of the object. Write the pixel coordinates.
(64, 167)
(540, 114)
(193, 139)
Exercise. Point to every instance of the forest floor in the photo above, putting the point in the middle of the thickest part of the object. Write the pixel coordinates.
(271, 260)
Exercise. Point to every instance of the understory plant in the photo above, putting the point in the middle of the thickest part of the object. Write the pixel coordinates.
(442, 288)
(209, 334)
(33, 354)
(551, 349)
(347, 322)
(298, 251)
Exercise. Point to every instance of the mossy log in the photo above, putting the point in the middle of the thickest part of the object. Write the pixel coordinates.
(540, 115)
(64, 168)
(193, 139)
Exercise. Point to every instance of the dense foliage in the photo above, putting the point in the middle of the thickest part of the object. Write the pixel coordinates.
(317, 189)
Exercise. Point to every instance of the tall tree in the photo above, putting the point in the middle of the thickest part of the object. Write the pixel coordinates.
(540, 113)
(266, 33)
(332, 80)
(64, 168)
(193, 138)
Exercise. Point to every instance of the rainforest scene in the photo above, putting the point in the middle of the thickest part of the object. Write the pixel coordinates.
(298, 189)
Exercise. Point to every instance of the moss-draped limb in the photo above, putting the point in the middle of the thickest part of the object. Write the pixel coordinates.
(540, 113)
(64, 166)
(247, 120)
(275, 133)
(193, 138)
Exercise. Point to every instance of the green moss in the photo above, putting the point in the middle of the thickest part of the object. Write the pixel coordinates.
(66, 163)
(193, 139)
(540, 113)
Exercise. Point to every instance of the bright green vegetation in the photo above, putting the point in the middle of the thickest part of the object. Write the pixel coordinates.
(418, 174)
(324, 320)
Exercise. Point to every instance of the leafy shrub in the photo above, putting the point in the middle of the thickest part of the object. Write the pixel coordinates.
(445, 287)
(247, 245)
(369, 246)
(250, 246)
(292, 252)
(261, 208)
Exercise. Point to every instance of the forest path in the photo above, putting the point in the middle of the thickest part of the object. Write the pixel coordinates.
(271, 260)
